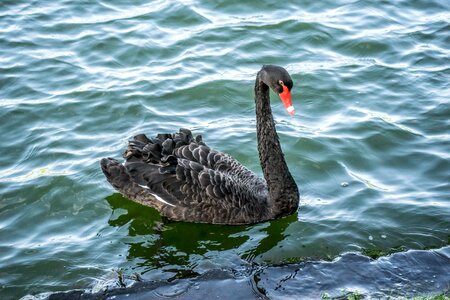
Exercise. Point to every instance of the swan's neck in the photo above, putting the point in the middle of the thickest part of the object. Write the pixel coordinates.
(283, 191)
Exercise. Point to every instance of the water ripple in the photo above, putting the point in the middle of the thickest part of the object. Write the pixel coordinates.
(368, 147)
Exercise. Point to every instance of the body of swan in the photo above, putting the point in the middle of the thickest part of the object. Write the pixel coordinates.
(184, 179)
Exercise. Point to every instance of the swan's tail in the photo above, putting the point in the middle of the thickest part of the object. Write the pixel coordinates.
(150, 167)
(120, 179)
(115, 173)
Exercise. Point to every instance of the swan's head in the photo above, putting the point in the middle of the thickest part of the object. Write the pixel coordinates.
(279, 80)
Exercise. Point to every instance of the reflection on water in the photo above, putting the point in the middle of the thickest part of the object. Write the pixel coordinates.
(180, 250)
(273, 234)
(369, 147)
(350, 276)
(156, 242)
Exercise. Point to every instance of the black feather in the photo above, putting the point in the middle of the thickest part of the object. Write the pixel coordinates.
(186, 180)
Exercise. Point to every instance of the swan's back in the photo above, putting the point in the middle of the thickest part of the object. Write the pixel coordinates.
(185, 180)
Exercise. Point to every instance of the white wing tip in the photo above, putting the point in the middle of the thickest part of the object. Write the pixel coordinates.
(156, 196)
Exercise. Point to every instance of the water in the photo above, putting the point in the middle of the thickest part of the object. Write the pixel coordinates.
(350, 276)
(369, 146)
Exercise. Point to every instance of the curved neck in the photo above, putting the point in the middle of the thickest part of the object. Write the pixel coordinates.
(283, 191)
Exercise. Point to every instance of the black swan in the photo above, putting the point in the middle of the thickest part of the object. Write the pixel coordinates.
(185, 180)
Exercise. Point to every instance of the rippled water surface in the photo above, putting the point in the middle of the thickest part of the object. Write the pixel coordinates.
(369, 146)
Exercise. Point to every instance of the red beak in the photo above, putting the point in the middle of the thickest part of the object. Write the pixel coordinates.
(287, 101)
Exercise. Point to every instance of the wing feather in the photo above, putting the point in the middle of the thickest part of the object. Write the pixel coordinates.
(192, 178)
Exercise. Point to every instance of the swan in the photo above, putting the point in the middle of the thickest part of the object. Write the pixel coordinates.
(185, 180)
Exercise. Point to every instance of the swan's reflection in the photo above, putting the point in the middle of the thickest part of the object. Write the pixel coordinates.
(155, 242)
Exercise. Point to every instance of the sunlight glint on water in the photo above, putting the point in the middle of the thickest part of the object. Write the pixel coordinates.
(77, 79)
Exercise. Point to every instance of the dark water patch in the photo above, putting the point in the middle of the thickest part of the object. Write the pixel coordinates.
(349, 275)
(363, 48)
(433, 33)
(385, 277)
(368, 146)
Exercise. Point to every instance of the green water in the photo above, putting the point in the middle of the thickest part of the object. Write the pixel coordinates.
(369, 146)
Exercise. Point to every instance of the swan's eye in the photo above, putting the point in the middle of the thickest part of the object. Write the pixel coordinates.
(281, 82)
